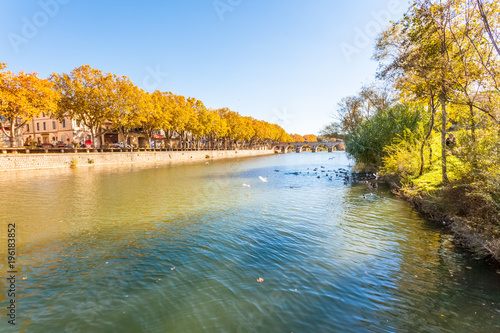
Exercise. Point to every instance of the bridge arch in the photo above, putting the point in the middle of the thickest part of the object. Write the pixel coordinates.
(299, 146)
(284, 147)
(321, 144)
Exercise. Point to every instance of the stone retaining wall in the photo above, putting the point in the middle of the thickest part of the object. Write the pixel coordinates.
(11, 162)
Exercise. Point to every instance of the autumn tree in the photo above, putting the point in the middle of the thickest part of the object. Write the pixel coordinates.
(87, 96)
(215, 127)
(196, 126)
(297, 138)
(220, 127)
(332, 131)
(311, 138)
(350, 112)
(127, 111)
(23, 96)
(155, 113)
(407, 56)
(181, 115)
(416, 53)
(92, 97)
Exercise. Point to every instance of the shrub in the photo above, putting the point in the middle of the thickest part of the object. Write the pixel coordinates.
(471, 200)
(402, 159)
(367, 142)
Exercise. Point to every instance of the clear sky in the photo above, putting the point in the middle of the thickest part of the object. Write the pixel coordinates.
(284, 61)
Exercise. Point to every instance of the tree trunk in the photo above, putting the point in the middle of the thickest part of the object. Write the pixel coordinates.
(12, 136)
(444, 120)
(487, 25)
(430, 154)
(3, 130)
(473, 137)
(149, 136)
(433, 110)
(92, 136)
(125, 134)
(472, 124)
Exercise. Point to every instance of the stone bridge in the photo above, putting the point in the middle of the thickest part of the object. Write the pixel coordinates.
(299, 146)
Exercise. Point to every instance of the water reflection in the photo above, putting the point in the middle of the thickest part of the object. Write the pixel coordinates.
(180, 249)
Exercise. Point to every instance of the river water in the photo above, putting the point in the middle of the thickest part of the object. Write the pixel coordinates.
(157, 248)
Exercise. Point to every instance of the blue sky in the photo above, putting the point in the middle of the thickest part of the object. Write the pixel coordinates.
(284, 61)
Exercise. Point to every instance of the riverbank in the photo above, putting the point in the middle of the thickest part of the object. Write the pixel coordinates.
(464, 212)
(15, 162)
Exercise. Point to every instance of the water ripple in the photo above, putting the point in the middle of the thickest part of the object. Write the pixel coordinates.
(181, 249)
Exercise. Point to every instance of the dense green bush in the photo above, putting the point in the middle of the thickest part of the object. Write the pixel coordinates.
(367, 142)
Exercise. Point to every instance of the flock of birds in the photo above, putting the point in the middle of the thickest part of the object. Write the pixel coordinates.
(369, 179)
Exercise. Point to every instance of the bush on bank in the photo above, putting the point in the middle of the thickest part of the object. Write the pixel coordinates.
(447, 166)
(469, 204)
(400, 123)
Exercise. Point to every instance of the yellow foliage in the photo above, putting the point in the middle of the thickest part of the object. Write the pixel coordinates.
(23, 96)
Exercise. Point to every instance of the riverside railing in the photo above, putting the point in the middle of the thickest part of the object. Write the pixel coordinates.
(25, 150)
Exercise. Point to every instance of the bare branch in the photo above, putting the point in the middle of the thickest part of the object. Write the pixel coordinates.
(487, 25)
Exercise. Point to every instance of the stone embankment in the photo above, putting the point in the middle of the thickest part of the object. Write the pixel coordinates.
(18, 161)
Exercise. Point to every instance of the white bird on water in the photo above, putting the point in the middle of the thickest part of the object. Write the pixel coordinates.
(263, 179)
(246, 185)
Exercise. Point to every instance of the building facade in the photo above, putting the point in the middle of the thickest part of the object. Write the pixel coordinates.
(46, 129)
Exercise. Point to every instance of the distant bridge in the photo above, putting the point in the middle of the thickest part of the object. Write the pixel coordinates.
(299, 146)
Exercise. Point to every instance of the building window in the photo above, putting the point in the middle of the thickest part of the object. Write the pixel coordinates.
(27, 128)
(37, 126)
(44, 126)
(53, 125)
(64, 123)
(43, 114)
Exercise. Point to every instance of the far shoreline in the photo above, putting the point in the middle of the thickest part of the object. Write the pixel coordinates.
(25, 162)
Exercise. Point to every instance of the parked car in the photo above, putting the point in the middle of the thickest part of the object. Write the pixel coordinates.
(119, 145)
(47, 145)
(60, 144)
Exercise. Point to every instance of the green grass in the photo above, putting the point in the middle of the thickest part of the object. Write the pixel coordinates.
(432, 178)
(429, 181)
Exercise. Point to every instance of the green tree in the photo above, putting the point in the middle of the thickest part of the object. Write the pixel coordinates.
(368, 141)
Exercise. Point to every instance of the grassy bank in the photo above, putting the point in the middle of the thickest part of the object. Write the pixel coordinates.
(431, 121)
(401, 143)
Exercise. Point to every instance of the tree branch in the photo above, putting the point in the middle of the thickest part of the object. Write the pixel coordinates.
(487, 25)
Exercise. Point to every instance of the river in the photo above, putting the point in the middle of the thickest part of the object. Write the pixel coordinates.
(158, 248)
